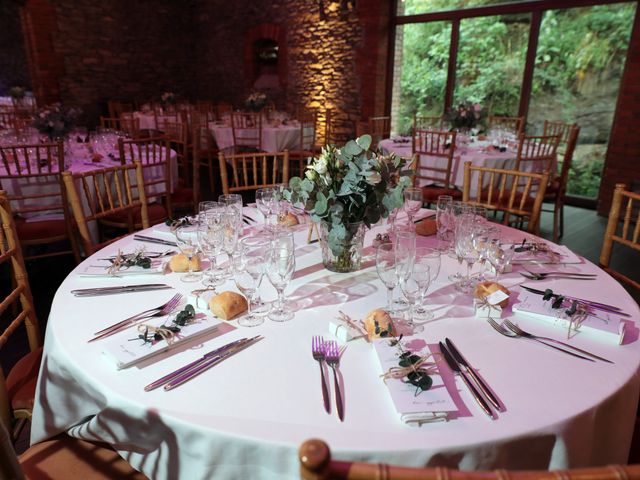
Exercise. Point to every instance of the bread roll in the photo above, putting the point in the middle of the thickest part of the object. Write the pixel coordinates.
(427, 227)
(484, 289)
(289, 220)
(180, 263)
(378, 324)
(228, 305)
(96, 157)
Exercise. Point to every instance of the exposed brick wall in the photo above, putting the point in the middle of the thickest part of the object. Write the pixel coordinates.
(113, 49)
(622, 164)
(13, 60)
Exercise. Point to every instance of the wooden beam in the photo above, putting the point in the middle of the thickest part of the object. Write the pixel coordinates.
(391, 55)
(453, 60)
(529, 64)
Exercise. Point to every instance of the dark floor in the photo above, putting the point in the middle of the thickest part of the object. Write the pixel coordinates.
(584, 231)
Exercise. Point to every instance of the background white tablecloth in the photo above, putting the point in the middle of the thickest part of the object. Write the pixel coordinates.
(274, 139)
(246, 417)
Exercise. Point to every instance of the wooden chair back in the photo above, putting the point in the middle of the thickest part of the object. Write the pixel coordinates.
(537, 153)
(436, 147)
(17, 306)
(567, 159)
(307, 139)
(251, 171)
(205, 151)
(223, 109)
(562, 129)
(510, 191)
(627, 205)
(130, 125)
(422, 122)
(247, 130)
(154, 154)
(117, 107)
(98, 194)
(161, 116)
(327, 137)
(316, 463)
(515, 124)
(8, 119)
(40, 164)
(111, 123)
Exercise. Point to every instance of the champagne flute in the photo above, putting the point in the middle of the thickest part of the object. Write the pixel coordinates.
(248, 273)
(405, 249)
(412, 202)
(466, 250)
(281, 264)
(233, 201)
(413, 283)
(210, 242)
(444, 220)
(386, 268)
(265, 201)
(187, 241)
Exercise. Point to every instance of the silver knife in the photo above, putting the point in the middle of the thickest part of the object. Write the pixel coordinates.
(144, 238)
(474, 392)
(484, 388)
(93, 292)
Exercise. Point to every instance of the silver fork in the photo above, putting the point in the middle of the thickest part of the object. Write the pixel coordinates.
(317, 350)
(516, 329)
(511, 334)
(163, 309)
(332, 357)
(543, 276)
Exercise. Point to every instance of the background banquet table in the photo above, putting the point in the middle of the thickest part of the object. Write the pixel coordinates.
(246, 417)
(274, 138)
(478, 153)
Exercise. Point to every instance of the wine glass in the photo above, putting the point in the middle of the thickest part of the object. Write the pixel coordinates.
(187, 241)
(500, 257)
(247, 273)
(412, 202)
(386, 268)
(230, 231)
(281, 264)
(444, 220)
(265, 201)
(233, 201)
(465, 249)
(413, 283)
(261, 243)
(206, 206)
(405, 249)
(425, 257)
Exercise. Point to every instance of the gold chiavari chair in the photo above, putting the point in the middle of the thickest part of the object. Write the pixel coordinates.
(17, 390)
(435, 149)
(205, 152)
(247, 131)
(103, 194)
(537, 153)
(8, 119)
(223, 110)
(512, 192)
(154, 154)
(378, 127)
(316, 464)
(515, 124)
(117, 107)
(250, 171)
(627, 205)
(31, 175)
(178, 135)
(110, 123)
(557, 188)
(306, 141)
(422, 122)
(130, 124)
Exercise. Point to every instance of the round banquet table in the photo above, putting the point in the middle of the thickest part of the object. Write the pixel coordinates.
(274, 138)
(246, 417)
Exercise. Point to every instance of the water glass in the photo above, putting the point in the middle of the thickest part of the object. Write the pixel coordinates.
(281, 264)
(248, 273)
(425, 257)
(187, 241)
(386, 268)
(233, 201)
(444, 220)
(262, 244)
(210, 243)
(266, 201)
(412, 203)
(413, 284)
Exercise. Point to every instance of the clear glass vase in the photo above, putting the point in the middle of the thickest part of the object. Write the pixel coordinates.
(347, 255)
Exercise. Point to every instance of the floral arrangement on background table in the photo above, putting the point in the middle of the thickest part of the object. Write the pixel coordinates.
(168, 99)
(466, 115)
(17, 93)
(56, 120)
(256, 101)
(346, 190)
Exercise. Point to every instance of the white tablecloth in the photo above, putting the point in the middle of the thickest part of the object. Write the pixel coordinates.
(274, 139)
(246, 417)
(479, 154)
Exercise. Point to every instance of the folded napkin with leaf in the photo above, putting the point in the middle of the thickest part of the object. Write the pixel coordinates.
(414, 405)
(540, 252)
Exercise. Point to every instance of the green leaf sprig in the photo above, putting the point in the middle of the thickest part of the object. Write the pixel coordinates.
(122, 261)
(149, 334)
(412, 369)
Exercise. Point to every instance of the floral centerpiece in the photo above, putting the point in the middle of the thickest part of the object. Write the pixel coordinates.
(346, 190)
(168, 99)
(17, 93)
(466, 115)
(256, 101)
(56, 120)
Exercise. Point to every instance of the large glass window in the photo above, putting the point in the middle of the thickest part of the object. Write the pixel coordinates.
(420, 73)
(579, 63)
(491, 56)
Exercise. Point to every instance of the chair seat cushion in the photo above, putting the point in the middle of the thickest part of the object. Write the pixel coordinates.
(30, 231)
(432, 192)
(21, 381)
(66, 457)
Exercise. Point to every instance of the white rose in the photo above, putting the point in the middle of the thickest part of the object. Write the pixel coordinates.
(374, 178)
(321, 166)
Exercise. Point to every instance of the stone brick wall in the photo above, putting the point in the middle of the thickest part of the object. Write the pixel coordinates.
(13, 60)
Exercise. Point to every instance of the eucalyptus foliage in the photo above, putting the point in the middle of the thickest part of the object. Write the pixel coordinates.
(348, 185)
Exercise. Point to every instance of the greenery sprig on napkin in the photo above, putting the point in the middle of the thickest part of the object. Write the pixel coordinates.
(412, 368)
(123, 261)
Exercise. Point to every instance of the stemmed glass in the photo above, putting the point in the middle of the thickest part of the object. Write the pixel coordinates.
(248, 273)
(230, 231)
(187, 241)
(386, 268)
(412, 202)
(259, 243)
(414, 281)
(444, 220)
(465, 249)
(500, 256)
(265, 201)
(281, 264)
(210, 241)
(405, 249)
(425, 257)
(233, 201)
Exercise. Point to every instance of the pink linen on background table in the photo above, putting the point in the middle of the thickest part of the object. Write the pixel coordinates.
(274, 139)
(246, 417)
